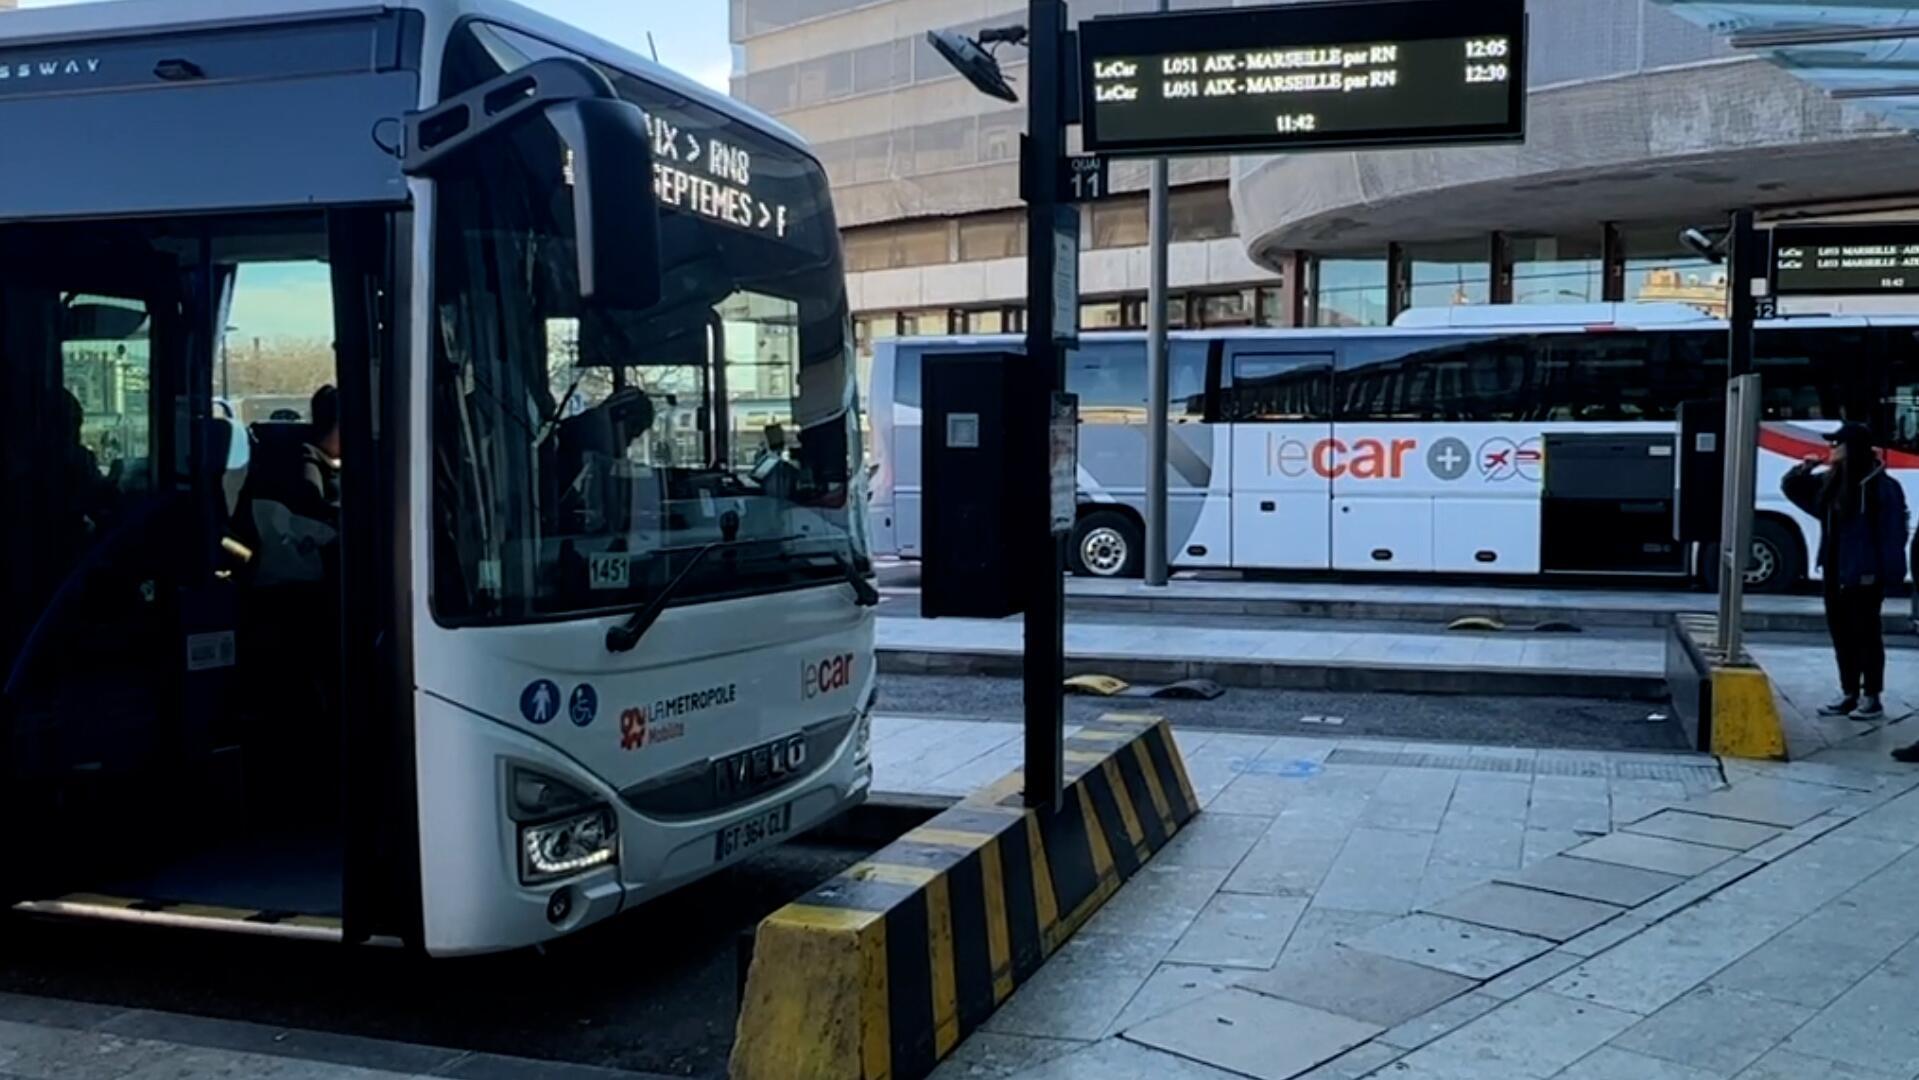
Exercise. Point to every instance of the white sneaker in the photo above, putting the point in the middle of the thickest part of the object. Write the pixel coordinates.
(1869, 709)
(1840, 706)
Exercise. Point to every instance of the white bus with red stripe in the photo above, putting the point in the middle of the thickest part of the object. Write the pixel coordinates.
(1525, 440)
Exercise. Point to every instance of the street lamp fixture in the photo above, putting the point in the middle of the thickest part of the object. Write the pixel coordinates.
(975, 59)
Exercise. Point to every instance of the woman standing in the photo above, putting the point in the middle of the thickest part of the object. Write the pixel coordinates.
(1862, 552)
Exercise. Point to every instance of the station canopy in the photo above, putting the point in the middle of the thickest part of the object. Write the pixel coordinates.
(1862, 52)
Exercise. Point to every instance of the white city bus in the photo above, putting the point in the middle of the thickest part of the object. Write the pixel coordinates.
(575, 606)
(1487, 440)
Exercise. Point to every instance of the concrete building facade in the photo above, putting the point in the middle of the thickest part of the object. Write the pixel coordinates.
(1640, 123)
(925, 174)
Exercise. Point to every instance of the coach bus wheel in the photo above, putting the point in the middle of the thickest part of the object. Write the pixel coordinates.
(1775, 557)
(1107, 544)
(1776, 566)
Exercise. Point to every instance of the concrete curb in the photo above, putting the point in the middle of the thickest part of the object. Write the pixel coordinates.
(1438, 612)
(880, 972)
(1316, 675)
(1727, 707)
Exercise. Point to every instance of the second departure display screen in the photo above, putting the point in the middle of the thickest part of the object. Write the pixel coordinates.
(1368, 73)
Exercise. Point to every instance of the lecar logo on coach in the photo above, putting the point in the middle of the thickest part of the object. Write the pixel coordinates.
(826, 676)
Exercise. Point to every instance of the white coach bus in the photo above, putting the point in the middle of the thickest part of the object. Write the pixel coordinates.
(556, 598)
(1486, 440)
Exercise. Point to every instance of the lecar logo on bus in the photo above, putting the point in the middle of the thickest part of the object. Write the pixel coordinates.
(1361, 459)
(826, 677)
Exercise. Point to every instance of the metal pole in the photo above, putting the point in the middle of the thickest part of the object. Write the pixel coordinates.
(1747, 264)
(1045, 619)
(1735, 522)
(1158, 412)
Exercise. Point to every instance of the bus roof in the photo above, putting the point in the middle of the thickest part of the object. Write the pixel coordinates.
(1561, 322)
(133, 18)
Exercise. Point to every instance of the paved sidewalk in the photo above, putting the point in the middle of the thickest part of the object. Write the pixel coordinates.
(1348, 909)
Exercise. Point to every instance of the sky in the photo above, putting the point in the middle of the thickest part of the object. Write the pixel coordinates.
(689, 34)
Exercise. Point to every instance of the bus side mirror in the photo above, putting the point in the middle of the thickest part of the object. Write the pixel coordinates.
(615, 212)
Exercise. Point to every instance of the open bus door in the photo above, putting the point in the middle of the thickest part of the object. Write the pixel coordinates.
(112, 631)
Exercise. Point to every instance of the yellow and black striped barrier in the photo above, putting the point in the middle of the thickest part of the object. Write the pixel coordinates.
(880, 972)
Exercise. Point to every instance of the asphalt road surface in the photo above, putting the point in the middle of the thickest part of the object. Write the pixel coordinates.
(1567, 723)
(651, 990)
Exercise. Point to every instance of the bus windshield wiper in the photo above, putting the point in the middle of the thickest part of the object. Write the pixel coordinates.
(624, 637)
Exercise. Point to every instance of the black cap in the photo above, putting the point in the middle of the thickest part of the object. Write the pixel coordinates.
(1850, 433)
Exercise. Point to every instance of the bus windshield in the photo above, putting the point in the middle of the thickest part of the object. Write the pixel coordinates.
(582, 457)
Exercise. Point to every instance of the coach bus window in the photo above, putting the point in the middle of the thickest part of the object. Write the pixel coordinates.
(582, 455)
(1608, 376)
(1809, 375)
(1437, 379)
(1277, 387)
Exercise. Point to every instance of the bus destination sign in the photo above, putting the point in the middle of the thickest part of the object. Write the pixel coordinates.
(1354, 73)
(1837, 260)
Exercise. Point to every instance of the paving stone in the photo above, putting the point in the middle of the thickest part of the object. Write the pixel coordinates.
(1159, 901)
(1323, 928)
(1721, 1031)
(1360, 1061)
(1239, 930)
(1430, 1025)
(1477, 841)
(1652, 853)
(1213, 841)
(1377, 870)
(1081, 989)
(1252, 1034)
(1535, 1035)
(1543, 844)
(1766, 802)
(987, 1055)
(1612, 1063)
(1701, 829)
(1608, 883)
(1477, 952)
(1696, 889)
(1783, 1064)
(1816, 874)
(1361, 985)
(1117, 1059)
(1526, 911)
(1291, 859)
(1171, 986)
(1599, 939)
(1650, 971)
(1875, 1024)
(1532, 973)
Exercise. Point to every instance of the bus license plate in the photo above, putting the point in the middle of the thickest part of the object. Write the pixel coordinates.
(751, 833)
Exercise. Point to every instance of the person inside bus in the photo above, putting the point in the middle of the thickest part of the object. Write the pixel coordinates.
(320, 457)
(1862, 551)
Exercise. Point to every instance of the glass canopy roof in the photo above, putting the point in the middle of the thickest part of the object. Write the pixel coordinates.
(1865, 52)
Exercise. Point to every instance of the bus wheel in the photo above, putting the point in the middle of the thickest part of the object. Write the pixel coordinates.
(1776, 562)
(1108, 544)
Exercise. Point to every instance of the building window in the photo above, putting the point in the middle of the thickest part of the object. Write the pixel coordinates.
(927, 322)
(1450, 274)
(1558, 270)
(951, 144)
(1118, 223)
(1102, 315)
(1352, 292)
(1201, 212)
(1228, 309)
(992, 236)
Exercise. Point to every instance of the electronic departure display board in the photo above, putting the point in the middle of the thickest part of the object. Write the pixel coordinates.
(1831, 260)
(1364, 73)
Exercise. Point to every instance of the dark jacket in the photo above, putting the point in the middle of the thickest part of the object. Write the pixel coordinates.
(1858, 545)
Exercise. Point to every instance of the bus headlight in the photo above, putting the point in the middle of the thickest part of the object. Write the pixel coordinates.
(568, 846)
(863, 739)
(563, 830)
